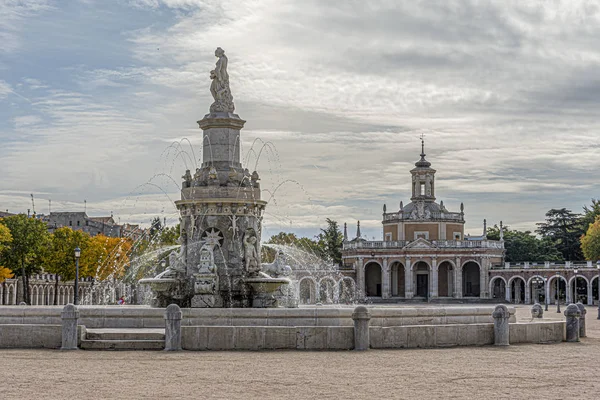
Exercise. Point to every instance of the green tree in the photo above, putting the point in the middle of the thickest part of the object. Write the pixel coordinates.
(590, 214)
(59, 258)
(524, 246)
(169, 236)
(564, 229)
(590, 242)
(155, 227)
(330, 241)
(24, 254)
(5, 239)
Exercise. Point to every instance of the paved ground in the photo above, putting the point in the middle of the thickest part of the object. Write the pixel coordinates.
(525, 371)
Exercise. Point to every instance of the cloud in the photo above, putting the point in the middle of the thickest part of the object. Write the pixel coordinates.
(335, 94)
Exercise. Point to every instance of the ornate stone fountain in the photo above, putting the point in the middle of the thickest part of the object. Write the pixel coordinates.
(218, 264)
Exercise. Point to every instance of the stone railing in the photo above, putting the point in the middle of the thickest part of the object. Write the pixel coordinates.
(434, 215)
(547, 265)
(398, 244)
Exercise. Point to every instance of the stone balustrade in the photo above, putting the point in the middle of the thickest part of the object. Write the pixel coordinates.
(399, 244)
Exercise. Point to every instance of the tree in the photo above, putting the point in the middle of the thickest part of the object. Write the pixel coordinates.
(290, 239)
(5, 239)
(330, 240)
(169, 236)
(24, 254)
(590, 242)
(115, 257)
(590, 214)
(59, 258)
(524, 246)
(564, 229)
(155, 227)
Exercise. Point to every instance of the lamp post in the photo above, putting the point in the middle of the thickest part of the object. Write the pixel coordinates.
(574, 297)
(598, 286)
(546, 291)
(557, 294)
(76, 294)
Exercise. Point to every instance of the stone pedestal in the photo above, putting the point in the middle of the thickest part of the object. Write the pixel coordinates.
(173, 317)
(572, 315)
(582, 312)
(537, 311)
(69, 316)
(362, 318)
(501, 317)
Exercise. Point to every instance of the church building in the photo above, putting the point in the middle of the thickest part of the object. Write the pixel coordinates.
(425, 254)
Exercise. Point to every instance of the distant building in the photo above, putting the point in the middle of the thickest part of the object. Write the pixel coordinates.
(134, 232)
(5, 214)
(80, 221)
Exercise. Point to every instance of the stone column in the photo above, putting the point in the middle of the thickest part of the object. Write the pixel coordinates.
(173, 328)
(408, 281)
(435, 283)
(483, 279)
(361, 317)
(528, 294)
(572, 314)
(501, 317)
(537, 311)
(69, 316)
(360, 279)
(582, 312)
(385, 281)
(590, 297)
(458, 279)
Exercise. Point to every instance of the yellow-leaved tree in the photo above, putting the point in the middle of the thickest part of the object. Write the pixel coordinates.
(114, 258)
(590, 242)
(5, 238)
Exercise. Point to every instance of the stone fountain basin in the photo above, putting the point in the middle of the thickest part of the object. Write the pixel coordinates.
(161, 284)
(265, 285)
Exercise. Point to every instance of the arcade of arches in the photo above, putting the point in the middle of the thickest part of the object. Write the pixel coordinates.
(424, 279)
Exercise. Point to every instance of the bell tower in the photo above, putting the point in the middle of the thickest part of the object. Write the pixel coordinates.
(423, 178)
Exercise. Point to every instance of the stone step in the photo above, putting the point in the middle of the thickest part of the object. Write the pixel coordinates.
(122, 344)
(125, 334)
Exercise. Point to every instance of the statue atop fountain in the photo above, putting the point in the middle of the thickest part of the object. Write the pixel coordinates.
(221, 214)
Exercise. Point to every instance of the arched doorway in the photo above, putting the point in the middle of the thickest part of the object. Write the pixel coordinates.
(373, 280)
(517, 290)
(445, 279)
(326, 289)
(421, 276)
(470, 279)
(579, 289)
(307, 291)
(498, 288)
(397, 279)
(346, 290)
(562, 289)
(537, 288)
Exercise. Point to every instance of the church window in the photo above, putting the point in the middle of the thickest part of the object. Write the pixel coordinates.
(422, 234)
(457, 236)
(422, 189)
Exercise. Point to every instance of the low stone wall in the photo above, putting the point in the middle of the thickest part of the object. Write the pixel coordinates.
(429, 336)
(30, 336)
(267, 338)
(146, 317)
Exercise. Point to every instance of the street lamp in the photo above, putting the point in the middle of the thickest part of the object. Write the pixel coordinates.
(598, 287)
(557, 294)
(574, 298)
(546, 291)
(76, 294)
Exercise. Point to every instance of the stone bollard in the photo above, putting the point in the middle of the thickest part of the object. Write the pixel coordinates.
(361, 317)
(537, 311)
(572, 313)
(501, 317)
(173, 328)
(69, 316)
(582, 312)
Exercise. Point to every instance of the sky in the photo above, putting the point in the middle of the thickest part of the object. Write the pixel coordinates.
(99, 101)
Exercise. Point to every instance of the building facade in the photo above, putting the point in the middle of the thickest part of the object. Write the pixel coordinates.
(425, 254)
(80, 221)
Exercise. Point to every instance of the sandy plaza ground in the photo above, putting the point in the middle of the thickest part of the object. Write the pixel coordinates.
(566, 370)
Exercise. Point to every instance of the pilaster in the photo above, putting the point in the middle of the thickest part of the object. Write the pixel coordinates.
(408, 281)
(435, 283)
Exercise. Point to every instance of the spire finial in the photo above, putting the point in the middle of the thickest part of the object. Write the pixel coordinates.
(422, 145)
(423, 163)
(358, 229)
(345, 232)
